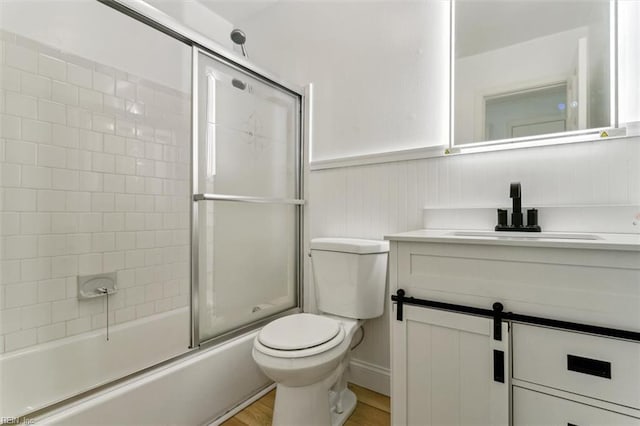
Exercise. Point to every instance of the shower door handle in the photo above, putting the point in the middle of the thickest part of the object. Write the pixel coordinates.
(247, 199)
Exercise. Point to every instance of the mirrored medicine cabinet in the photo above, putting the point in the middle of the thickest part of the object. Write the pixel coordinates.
(531, 70)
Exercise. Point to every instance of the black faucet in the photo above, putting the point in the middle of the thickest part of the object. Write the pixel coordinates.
(515, 192)
(516, 213)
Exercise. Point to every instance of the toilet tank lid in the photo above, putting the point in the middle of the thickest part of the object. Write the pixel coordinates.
(350, 245)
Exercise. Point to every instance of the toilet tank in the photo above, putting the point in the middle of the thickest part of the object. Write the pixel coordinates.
(350, 276)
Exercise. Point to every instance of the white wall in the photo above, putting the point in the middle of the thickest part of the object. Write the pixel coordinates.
(95, 172)
(378, 69)
(196, 16)
(94, 178)
(107, 37)
(629, 61)
(374, 200)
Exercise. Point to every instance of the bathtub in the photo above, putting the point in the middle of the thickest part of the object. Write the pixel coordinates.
(192, 390)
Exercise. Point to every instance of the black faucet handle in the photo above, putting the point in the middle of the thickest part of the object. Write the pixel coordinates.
(532, 220)
(514, 190)
(502, 220)
(502, 217)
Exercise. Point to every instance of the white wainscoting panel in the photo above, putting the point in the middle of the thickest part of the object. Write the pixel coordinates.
(373, 200)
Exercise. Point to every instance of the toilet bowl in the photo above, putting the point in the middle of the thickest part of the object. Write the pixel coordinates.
(306, 355)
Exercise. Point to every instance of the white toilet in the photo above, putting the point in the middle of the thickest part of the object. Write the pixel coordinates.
(307, 354)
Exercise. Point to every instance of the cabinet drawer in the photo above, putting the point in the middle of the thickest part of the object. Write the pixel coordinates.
(533, 408)
(597, 367)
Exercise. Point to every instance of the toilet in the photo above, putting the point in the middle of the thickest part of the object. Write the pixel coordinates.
(307, 354)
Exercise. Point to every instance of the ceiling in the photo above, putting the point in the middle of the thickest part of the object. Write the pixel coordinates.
(481, 25)
(235, 11)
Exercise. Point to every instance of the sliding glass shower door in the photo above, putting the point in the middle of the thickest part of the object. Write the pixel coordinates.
(247, 199)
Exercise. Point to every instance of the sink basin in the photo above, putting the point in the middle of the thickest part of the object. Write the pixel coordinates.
(526, 235)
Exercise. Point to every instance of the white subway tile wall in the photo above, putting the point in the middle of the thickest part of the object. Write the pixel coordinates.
(94, 177)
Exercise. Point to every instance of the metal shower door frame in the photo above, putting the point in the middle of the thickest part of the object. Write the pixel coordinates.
(149, 15)
(198, 196)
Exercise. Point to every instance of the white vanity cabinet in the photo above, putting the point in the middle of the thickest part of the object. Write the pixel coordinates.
(442, 360)
(566, 378)
(533, 408)
(443, 370)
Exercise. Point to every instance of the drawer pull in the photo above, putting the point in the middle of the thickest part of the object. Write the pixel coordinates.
(498, 366)
(571, 424)
(589, 366)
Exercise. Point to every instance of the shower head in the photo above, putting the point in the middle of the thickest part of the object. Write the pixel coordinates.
(238, 84)
(239, 37)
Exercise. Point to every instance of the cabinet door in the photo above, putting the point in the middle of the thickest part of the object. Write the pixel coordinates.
(443, 370)
(538, 409)
(597, 367)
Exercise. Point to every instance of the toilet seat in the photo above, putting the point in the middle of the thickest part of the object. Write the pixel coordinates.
(299, 335)
(299, 331)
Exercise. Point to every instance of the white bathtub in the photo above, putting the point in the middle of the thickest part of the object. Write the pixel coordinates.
(191, 390)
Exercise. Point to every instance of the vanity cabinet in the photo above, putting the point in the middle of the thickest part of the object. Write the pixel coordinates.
(442, 364)
(565, 378)
(444, 372)
(533, 408)
(603, 368)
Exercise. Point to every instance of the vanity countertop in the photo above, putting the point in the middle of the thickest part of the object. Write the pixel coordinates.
(597, 241)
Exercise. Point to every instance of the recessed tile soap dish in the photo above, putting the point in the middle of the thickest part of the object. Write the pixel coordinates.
(90, 286)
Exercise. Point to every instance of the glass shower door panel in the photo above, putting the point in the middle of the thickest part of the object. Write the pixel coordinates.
(248, 139)
(250, 165)
(248, 134)
(247, 268)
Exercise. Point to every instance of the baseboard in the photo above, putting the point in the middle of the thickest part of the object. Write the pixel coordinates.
(370, 376)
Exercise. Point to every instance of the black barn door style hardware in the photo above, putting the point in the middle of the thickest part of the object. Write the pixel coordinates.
(401, 299)
(497, 321)
(498, 316)
(496, 313)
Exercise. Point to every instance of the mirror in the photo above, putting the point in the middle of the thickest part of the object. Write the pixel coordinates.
(530, 69)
